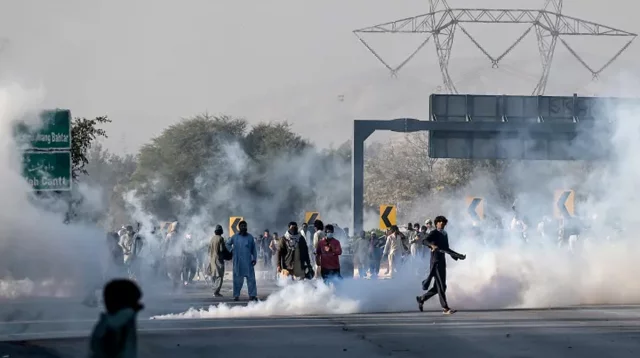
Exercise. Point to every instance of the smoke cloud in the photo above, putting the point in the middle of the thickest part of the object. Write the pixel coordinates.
(39, 254)
(502, 271)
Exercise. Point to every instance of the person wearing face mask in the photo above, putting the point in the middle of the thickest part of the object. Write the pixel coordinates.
(245, 256)
(328, 255)
(293, 255)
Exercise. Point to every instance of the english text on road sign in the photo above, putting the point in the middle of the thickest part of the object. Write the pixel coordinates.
(47, 171)
(53, 131)
(475, 208)
(563, 203)
(387, 216)
(233, 224)
(310, 217)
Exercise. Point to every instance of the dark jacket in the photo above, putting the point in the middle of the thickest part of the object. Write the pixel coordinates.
(285, 257)
(441, 241)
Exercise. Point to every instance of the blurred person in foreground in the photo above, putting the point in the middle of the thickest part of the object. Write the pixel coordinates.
(438, 241)
(293, 255)
(243, 248)
(328, 255)
(115, 333)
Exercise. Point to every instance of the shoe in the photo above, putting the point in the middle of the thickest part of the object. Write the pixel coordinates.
(449, 311)
(236, 298)
(253, 298)
(217, 294)
(420, 303)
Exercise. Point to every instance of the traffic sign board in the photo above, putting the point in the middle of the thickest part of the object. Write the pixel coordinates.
(47, 171)
(387, 216)
(233, 224)
(53, 133)
(564, 203)
(475, 208)
(310, 217)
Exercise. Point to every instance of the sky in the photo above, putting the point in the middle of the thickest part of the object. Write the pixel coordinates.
(148, 63)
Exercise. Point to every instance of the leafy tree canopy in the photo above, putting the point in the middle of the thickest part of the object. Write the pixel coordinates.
(83, 133)
(274, 138)
(180, 152)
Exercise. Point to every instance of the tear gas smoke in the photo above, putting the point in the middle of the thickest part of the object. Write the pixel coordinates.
(303, 298)
(601, 269)
(36, 247)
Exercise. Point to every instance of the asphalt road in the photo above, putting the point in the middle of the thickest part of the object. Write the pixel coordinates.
(59, 328)
(572, 332)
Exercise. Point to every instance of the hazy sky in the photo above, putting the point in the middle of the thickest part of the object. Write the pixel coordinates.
(148, 63)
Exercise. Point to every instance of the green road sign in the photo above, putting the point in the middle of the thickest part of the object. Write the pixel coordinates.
(48, 170)
(55, 132)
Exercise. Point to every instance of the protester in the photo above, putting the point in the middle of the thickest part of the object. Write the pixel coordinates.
(115, 333)
(438, 242)
(243, 247)
(318, 225)
(217, 252)
(328, 255)
(394, 249)
(293, 255)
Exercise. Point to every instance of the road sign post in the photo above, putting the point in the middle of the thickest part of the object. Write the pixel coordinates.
(388, 215)
(310, 217)
(48, 171)
(47, 164)
(54, 132)
(233, 224)
(475, 208)
(563, 203)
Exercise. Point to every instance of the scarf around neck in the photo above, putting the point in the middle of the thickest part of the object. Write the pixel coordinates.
(291, 240)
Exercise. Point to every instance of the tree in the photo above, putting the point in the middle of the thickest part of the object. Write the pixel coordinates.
(169, 165)
(112, 173)
(274, 138)
(401, 165)
(83, 133)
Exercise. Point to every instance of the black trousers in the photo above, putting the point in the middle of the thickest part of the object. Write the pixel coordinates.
(438, 273)
(330, 274)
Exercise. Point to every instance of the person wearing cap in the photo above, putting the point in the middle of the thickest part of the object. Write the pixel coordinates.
(216, 260)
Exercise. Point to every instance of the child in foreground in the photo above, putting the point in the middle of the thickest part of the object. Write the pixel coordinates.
(115, 336)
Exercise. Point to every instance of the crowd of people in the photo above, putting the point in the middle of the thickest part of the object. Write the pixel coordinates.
(301, 254)
(305, 252)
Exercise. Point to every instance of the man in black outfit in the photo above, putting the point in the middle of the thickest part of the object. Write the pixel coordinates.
(438, 241)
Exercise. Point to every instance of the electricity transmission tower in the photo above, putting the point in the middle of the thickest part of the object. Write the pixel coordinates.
(549, 24)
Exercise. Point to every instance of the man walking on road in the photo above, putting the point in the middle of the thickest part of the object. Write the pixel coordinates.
(217, 249)
(438, 241)
(243, 247)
